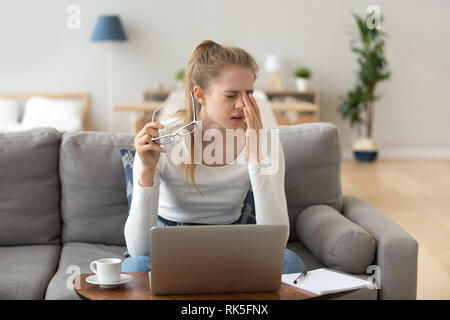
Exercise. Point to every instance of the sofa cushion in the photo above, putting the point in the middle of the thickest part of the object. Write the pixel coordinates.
(75, 259)
(93, 191)
(30, 187)
(25, 271)
(313, 156)
(335, 240)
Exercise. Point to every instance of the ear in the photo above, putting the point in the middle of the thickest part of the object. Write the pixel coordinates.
(199, 94)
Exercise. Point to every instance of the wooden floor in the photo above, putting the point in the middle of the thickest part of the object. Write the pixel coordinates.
(416, 195)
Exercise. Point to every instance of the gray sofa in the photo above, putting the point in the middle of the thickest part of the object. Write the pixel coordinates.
(63, 204)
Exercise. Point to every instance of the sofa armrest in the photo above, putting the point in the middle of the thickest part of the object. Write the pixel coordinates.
(397, 251)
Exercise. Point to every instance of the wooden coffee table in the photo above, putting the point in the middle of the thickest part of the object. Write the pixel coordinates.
(139, 289)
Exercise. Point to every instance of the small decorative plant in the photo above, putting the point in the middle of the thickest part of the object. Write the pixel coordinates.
(302, 72)
(179, 77)
(302, 76)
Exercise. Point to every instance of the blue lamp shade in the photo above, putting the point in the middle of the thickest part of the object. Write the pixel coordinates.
(108, 28)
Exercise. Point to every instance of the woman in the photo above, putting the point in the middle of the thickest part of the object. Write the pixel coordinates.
(219, 82)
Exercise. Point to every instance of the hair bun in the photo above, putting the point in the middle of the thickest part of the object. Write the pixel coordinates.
(206, 44)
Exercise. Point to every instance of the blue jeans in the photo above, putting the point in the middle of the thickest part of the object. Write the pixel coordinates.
(292, 262)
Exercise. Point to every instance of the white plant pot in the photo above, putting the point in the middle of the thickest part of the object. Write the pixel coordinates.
(302, 84)
(365, 149)
(180, 84)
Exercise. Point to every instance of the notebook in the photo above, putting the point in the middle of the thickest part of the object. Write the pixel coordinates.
(325, 281)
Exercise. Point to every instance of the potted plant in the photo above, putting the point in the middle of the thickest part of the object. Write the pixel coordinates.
(179, 77)
(358, 104)
(302, 75)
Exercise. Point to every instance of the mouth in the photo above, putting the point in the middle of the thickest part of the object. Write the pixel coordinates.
(237, 118)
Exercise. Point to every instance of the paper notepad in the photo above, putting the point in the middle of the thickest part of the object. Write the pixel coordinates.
(324, 281)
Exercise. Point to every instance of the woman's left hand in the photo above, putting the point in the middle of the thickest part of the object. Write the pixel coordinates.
(254, 122)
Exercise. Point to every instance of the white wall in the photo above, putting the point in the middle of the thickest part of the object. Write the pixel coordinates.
(39, 54)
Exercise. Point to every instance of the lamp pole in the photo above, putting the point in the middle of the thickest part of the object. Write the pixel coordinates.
(109, 84)
(109, 29)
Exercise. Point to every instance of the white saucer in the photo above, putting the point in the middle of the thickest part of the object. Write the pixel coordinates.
(124, 278)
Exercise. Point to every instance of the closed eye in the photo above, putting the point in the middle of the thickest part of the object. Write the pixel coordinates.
(230, 96)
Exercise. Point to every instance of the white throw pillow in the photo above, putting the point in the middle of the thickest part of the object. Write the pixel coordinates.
(9, 113)
(62, 114)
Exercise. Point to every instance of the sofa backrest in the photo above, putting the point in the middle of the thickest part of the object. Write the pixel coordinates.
(93, 197)
(29, 187)
(313, 167)
(93, 191)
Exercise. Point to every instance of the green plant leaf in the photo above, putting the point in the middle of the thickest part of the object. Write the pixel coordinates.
(302, 72)
(179, 75)
(368, 45)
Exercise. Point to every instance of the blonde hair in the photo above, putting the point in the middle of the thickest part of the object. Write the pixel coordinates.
(205, 64)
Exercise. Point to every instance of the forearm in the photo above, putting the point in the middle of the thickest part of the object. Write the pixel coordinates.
(135, 235)
(269, 192)
(146, 178)
(270, 200)
(143, 210)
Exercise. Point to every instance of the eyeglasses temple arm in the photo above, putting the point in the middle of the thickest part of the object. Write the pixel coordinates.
(193, 106)
(154, 112)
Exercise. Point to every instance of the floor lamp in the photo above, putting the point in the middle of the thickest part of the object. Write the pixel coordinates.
(109, 29)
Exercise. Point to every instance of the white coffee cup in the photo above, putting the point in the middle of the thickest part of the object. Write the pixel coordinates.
(107, 269)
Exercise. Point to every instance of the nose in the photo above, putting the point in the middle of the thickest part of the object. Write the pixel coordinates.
(240, 103)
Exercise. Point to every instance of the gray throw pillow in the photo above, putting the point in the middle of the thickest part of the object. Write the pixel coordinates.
(335, 240)
(29, 187)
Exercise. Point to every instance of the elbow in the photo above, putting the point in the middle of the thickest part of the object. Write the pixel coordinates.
(128, 242)
(286, 224)
(131, 242)
(135, 251)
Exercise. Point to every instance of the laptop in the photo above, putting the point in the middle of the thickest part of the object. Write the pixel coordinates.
(216, 258)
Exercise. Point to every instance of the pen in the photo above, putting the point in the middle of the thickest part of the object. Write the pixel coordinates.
(303, 274)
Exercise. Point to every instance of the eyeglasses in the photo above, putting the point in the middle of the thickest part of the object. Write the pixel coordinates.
(184, 131)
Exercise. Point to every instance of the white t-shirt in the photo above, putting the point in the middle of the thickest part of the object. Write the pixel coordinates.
(224, 189)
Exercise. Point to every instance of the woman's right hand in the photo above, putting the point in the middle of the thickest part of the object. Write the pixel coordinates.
(148, 151)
